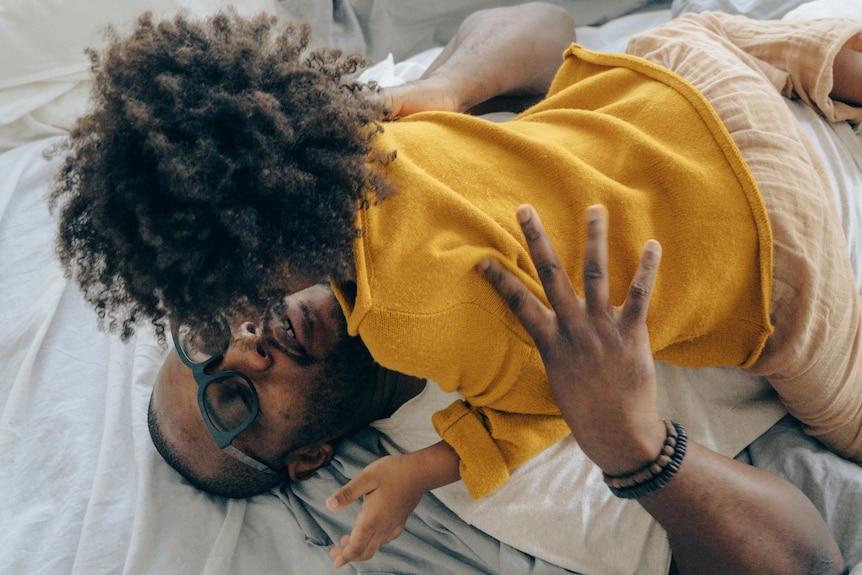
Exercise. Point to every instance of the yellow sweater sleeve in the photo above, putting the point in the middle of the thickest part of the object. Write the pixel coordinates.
(491, 442)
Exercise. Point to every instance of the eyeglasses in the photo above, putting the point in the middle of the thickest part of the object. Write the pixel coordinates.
(227, 399)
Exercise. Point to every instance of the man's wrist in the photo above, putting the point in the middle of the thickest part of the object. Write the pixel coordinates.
(656, 474)
(634, 450)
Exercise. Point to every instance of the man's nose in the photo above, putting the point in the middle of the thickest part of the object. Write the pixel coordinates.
(247, 348)
(247, 329)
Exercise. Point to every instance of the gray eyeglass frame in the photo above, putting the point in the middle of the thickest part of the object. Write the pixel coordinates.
(222, 438)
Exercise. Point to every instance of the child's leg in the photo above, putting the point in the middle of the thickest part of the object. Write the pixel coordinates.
(814, 358)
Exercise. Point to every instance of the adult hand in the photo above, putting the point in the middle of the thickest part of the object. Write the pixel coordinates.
(424, 95)
(597, 356)
(389, 493)
(505, 51)
(721, 516)
(437, 95)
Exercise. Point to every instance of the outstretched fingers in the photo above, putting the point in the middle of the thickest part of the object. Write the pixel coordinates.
(596, 290)
(636, 306)
(596, 281)
(353, 490)
(555, 281)
(537, 319)
(543, 323)
(359, 545)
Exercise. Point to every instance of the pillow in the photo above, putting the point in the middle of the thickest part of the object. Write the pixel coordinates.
(827, 9)
(760, 9)
(44, 71)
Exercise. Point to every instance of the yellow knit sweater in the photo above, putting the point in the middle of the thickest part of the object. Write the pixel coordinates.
(615, 130)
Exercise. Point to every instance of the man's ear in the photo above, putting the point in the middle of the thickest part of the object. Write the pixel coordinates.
(303, 462)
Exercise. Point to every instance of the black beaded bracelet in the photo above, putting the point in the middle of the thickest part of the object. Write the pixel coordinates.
(655, 475)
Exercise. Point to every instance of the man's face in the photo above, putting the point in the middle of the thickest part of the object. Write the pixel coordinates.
(309, 375)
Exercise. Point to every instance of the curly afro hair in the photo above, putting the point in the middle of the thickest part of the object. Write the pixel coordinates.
(220, 156)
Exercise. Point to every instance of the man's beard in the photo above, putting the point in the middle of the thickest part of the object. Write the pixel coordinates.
(336, 393)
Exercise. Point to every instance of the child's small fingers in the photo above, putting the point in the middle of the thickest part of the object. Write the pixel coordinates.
(360, 550)
(357, 487)
(338, 560)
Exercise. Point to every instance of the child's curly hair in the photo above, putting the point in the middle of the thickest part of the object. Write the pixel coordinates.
(218, 154)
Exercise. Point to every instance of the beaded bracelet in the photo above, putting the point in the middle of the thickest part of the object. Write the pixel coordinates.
(655, 475)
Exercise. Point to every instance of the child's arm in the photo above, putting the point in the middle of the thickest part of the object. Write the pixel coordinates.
(390, 489)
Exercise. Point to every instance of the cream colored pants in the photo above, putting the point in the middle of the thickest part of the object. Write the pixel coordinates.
(745, 68)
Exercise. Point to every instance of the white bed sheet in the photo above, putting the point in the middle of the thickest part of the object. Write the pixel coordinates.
(81, 488)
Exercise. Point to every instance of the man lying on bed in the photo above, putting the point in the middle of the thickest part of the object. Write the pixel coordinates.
(732, 329)
(599, 364)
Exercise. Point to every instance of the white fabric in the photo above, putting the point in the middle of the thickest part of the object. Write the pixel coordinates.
(723, 408)
(404, 28)
(555, 506)
(44, 70)
(760, 9)
(82, 490)
(826, 9)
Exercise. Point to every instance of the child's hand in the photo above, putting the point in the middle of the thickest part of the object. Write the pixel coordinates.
(390, 491)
